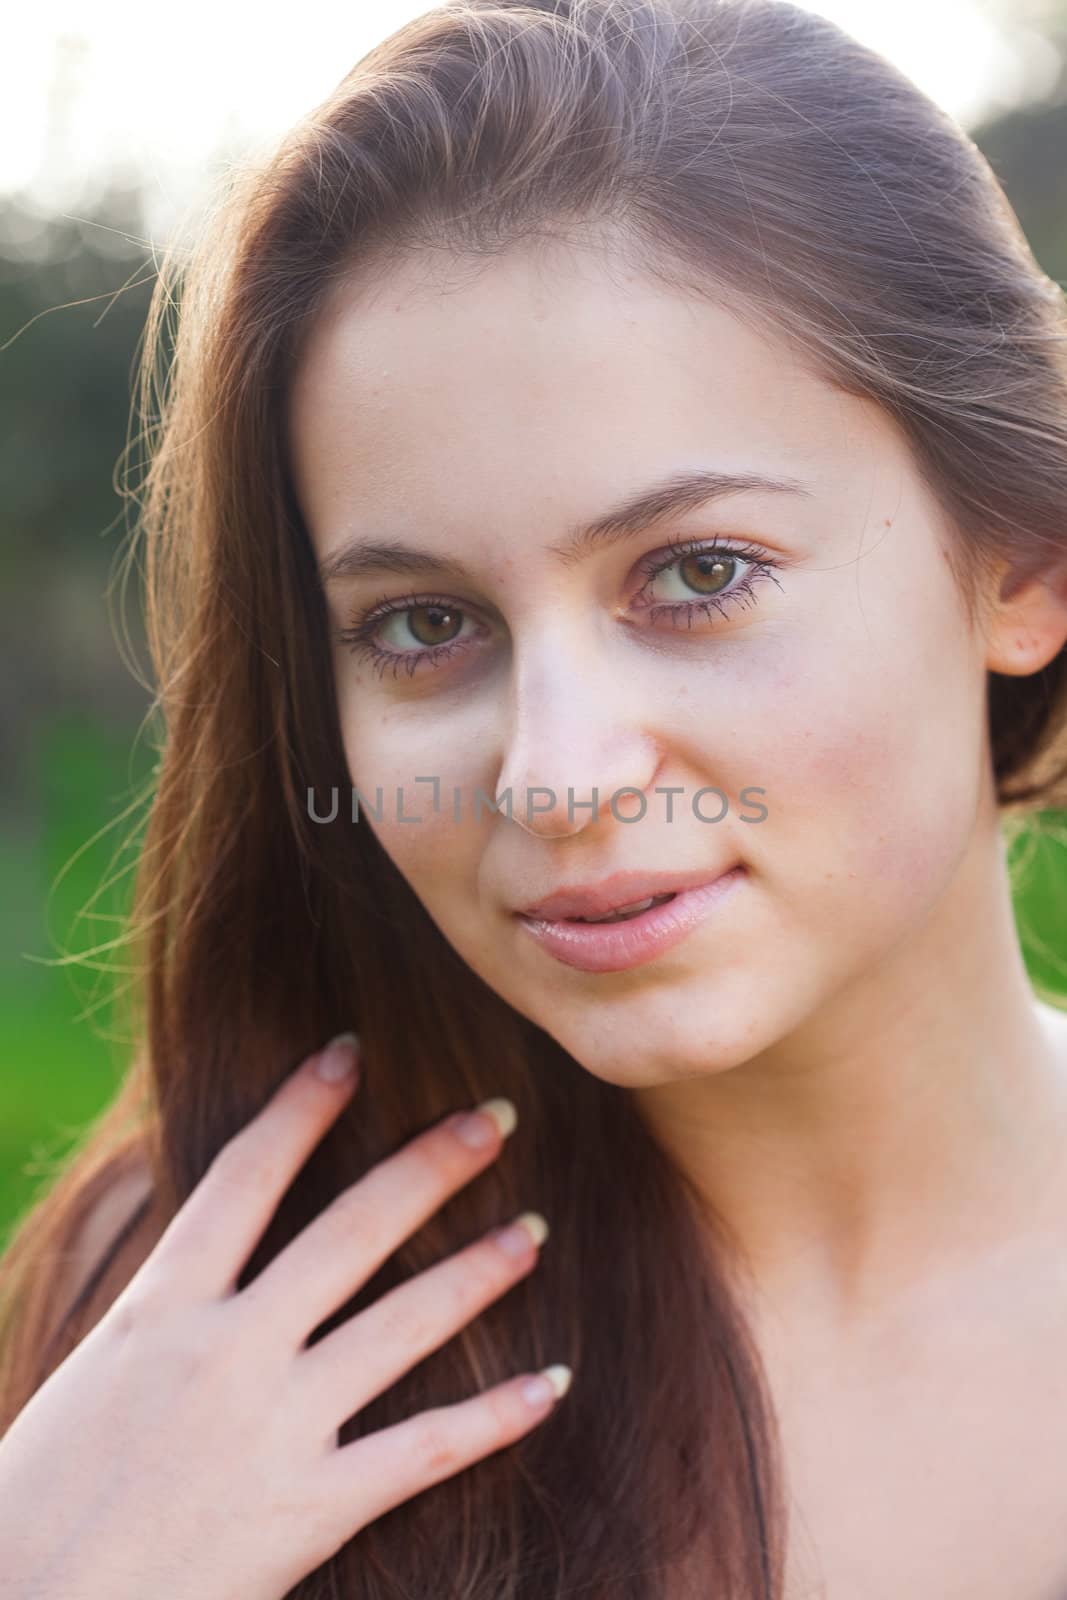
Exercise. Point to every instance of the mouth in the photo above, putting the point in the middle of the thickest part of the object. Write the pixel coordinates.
(622, 894)
(628, 912)
(629, 933)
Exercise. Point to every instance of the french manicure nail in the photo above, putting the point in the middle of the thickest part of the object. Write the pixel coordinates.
(337, 1059)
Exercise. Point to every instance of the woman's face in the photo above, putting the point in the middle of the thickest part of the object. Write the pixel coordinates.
(450, 443)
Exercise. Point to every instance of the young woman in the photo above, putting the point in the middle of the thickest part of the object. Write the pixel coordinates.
(614, 460)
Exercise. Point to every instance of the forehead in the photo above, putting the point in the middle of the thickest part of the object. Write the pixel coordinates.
(551, 375)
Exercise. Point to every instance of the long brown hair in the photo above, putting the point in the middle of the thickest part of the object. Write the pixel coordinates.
(745, 147)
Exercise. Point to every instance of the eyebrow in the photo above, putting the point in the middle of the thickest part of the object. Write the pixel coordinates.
(683, 491)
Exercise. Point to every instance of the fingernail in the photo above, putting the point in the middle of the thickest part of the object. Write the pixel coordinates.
(514, 1239)
(474, 1130)
(338, 1058)
(550, 1384)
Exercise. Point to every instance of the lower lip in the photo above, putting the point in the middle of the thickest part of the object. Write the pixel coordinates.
(617, 946)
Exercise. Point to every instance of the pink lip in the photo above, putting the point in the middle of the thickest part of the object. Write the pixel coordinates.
(617, 946)
(621, 889)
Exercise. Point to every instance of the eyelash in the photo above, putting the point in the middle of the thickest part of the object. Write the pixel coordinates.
(359, 635)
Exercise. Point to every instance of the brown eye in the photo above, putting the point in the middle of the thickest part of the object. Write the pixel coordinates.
(706, 573)
(431, 625)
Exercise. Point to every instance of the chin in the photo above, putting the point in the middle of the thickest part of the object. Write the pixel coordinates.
(641, 1055)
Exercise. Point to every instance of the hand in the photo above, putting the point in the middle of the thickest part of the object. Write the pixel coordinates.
(188, 1446)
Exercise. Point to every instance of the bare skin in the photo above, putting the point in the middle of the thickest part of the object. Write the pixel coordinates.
(849, 1060)
(923, 1437)
(847, 1057)
(201, 1491)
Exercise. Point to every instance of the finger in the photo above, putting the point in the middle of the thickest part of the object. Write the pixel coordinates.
(346, 1244)
(372, 1475)
(210, 1239)
(367, 1354)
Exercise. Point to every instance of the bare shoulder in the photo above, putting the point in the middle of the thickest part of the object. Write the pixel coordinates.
(124, 1199)
(1053, 1019)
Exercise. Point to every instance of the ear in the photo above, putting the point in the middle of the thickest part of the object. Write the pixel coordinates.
(1026, 622)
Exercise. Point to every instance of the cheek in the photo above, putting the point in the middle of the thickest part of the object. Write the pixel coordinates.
(871, 758)
(417, 828)
(394, 742)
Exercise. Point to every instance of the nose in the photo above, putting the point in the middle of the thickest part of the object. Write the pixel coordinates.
(578, 752)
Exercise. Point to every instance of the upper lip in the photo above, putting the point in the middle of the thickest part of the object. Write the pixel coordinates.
(621, 889)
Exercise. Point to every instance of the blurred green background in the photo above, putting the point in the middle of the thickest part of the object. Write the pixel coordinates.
(73, 296)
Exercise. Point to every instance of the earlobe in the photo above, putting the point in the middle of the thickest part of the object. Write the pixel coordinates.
(1027, 624)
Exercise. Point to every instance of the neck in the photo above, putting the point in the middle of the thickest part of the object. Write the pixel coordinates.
(910, 1127)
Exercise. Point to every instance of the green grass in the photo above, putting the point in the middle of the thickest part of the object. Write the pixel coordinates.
(1041, 901)
(62, 1063)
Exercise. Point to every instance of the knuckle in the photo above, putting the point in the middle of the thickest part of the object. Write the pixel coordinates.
(437, 1449)
(416, 1316)
(228, 1162)
(457, 1299)
(244, 1165)
(355, 1216)
(197, 1350)
(190, 1349)
(141, 1305)
(406, 1323)
(503, 1407)
(486, 1271)
(443, 1158)
(179, 1344)
(126, 1317)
